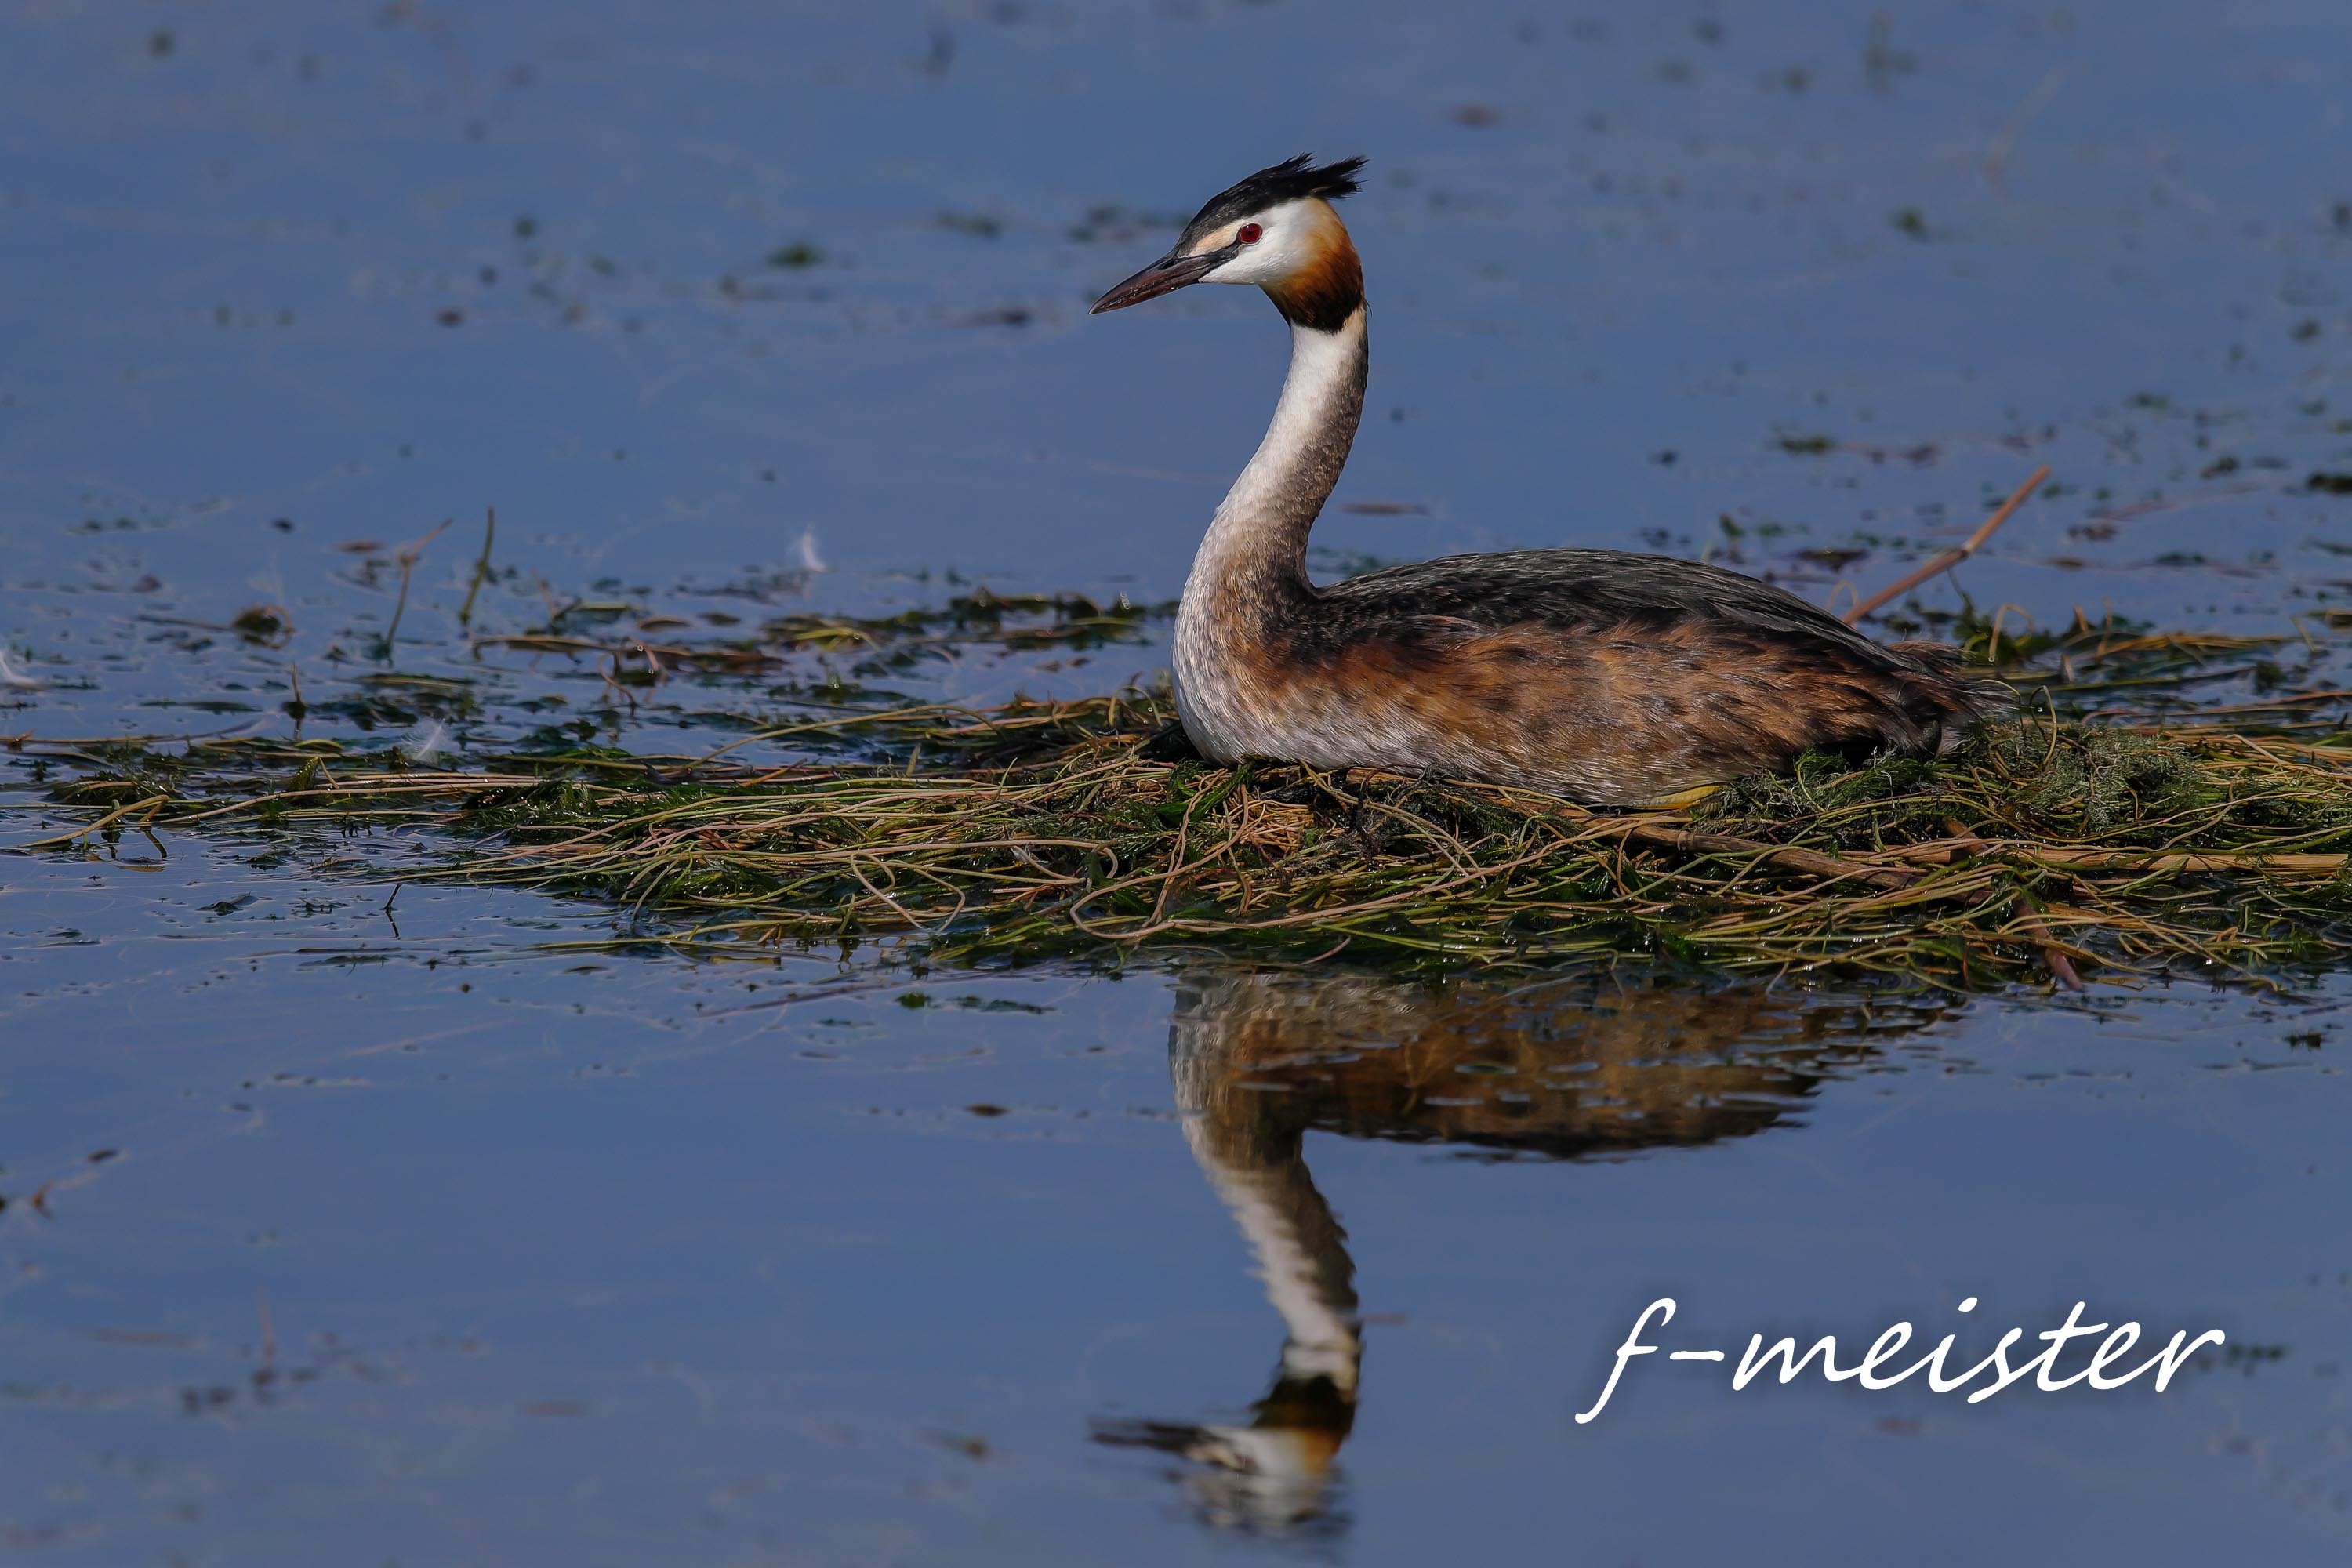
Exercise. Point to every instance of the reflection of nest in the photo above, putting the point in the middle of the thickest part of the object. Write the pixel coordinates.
(1561, 1069)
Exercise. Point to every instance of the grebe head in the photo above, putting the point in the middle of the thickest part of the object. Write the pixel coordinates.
(1276, 229)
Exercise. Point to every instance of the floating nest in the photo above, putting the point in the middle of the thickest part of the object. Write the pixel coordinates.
(2047, 849)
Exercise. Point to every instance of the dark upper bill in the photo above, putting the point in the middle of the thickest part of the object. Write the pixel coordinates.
(1164, 276)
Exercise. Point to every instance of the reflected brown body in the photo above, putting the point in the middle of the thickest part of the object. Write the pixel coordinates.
(1562, 1070)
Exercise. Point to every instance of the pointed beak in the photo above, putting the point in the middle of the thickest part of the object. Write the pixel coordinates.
(1164, 276)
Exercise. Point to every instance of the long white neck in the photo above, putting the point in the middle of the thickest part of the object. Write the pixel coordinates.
(1256, 543)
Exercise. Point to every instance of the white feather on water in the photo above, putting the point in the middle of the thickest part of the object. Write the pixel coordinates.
(425, 742)
(15, 681)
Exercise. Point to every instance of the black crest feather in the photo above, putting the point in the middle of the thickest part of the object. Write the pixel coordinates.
(1288, 181)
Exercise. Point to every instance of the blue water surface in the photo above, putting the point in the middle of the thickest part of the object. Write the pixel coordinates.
(453, 1230)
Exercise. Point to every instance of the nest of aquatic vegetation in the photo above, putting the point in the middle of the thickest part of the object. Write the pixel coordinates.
(2040, 849)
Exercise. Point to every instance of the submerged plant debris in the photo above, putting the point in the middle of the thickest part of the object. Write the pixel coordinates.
(2109, 829)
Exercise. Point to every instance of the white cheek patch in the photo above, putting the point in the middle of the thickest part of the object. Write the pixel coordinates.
(1292, 235)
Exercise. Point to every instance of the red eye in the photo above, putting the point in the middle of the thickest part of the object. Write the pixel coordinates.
(1248, 233)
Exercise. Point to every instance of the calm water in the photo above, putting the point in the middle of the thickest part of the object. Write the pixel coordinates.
(446, 1234)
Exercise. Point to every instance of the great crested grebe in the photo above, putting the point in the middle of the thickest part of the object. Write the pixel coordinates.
(1613, 679)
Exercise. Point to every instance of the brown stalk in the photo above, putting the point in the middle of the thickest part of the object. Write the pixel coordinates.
(1808, 862)
(481, 568)
(1943, 851)
(1953, 557)
(407, 557)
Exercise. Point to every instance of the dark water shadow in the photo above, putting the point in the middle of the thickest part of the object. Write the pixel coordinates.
(1569, 1070)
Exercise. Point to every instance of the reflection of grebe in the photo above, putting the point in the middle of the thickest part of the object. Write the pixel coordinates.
(1559, 1070)
(1612, 678)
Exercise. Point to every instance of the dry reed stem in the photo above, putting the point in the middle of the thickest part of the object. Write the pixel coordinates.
(1954, 556)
